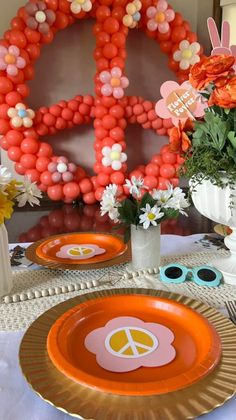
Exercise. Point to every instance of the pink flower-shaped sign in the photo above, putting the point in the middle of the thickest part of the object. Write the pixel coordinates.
(78, 252)
(128, 343)
(180, 102)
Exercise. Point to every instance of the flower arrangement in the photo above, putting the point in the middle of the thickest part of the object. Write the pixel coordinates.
(209, 145)
(13, 192)
(142, 208)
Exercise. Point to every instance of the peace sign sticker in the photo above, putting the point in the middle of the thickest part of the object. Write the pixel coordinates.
(128, 343)
(77, 252)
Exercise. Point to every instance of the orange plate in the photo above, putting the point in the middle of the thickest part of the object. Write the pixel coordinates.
(197, 345)
(113, 246)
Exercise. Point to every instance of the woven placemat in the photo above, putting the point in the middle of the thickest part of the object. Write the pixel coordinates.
(43, 288)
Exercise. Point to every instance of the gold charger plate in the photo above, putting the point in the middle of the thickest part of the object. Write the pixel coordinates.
(31, 254)
(82, 402)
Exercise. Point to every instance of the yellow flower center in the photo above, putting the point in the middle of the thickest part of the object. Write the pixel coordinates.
(115, 155)
(10, 59)
(187, 54)
(151, 216)
(115, 82)
(160, 17)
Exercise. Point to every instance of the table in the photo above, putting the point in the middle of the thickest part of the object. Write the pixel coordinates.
(19, 402)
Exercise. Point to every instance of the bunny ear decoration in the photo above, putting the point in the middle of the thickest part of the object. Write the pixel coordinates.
(220, 45)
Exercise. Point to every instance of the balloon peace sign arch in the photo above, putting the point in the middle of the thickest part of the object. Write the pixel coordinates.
(36, 24)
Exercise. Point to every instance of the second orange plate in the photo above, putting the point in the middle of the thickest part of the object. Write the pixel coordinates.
(134, 345)
(81, 248)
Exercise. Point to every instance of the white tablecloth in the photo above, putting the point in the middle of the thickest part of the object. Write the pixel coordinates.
(19, 402)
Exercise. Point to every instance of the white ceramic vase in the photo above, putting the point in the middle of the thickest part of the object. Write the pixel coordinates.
(219, 205)
(145, 246)
(6, 281)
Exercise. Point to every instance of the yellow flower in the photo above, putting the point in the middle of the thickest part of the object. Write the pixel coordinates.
(11, 190)
(6, 207)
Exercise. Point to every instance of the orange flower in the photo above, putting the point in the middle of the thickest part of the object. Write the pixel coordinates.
(179, 140)
(225, 96)
(215, 69)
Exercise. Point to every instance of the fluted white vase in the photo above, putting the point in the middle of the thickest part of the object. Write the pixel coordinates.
(145, 246)
(219, 205)
(6, 281)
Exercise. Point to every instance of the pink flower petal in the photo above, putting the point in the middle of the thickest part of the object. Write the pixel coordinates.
(31, 9)
(32, 23)
(168, 87)
(3, 51)
(170, 15)
(105, 76)
(161, 6)
(163, 27)
(12, 70)
(152, 25)
(106, 89)
(44, 28)
(151, 12)
(14, 50)
(3, 64)
(161, 109)
(116, 72)
(118, 92)
(124, 82)
(41, 5)
(51, 17)
(20, 62)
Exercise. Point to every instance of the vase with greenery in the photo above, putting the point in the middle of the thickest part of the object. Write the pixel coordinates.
(141, 213)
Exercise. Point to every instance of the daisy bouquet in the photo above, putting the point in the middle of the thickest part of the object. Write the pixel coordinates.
(142, 208)
(14, 193)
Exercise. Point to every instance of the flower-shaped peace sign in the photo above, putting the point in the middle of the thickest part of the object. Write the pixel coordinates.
(36, 24)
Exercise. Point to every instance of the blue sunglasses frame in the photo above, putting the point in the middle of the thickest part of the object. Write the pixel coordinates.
(194, 275)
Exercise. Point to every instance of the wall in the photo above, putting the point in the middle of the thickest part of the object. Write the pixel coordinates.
(66, 68)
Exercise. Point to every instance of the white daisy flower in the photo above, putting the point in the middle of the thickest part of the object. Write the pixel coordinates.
(5, 176)
(187, 55)
(151, 214)
(113, 156)
(109, 204)
(135, 185)
(162, 196)
(178, 201)
(28, 193)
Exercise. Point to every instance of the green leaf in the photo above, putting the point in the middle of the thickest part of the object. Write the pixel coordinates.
(128, 212)
(171, 213)
(232, 153)
(127, 235)
(232, 138)
(147, 199)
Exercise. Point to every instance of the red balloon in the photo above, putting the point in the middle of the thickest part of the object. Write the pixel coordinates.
(71, 190)
(33, 174)
(45, 150)
(23, 90)
(108, 122)
(89, 198)
(117, 134)
(167, 170)
(62, 20)
(55, 192)
(42, 164)
(32, 36)
(14, 138)
(56, 218)
(169, 157)
(102, 13)
(118, 39)
(152, 169)
(3, 111)
(117, 177)
(46, 178)
(19, 168)
(28, 160)
(17, 38)
(29, 145)
(110, 50)
(6, 85)
(14, 153)
(4, 126)
(150, 181)
(103, 179)
(85, 185)
(111, 25)
(12, 98)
